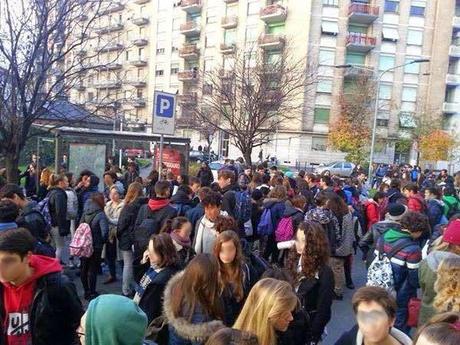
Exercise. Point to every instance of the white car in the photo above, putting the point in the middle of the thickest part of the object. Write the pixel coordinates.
(336, 168)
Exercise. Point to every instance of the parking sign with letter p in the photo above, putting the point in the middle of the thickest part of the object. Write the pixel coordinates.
(164, 113)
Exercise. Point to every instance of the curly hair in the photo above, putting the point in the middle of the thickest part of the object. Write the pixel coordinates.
(447, 286)
(415, 222)
(316, 251)
(224, 223)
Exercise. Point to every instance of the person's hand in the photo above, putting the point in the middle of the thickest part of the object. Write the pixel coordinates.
(145, 257)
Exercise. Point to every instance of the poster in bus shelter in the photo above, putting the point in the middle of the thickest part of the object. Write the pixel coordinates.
(173, 159)
(88, 156)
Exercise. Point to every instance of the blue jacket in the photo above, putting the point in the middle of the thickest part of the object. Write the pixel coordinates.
(435, 211)
(195, 214)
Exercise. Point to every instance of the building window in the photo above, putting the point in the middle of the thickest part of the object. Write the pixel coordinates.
(210, 39)
(211, 16)
(390, 34)
(415, 37)
(413, 68)
(276, 29)
(318, 144)
(329, 27)
(251, 33)
(160, 51)
(326, 57)
(321, 115)
(230, 37)
(159, 73)
(207, 89)
(174, 70)
(272, 58)
(174, 49)
(355, 58)
(324, 86)
(417, 11)
(176, 24)
(382, 123)
(386, 62)
(409, 94)
(392, 6)
(127, 55)
(385, 92)
(334, 3)
(358, 29)
(253, 8)
(161, 27)
(141, 53)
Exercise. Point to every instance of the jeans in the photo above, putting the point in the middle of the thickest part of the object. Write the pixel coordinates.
(61, 244)
(127, 271)
(336, 263)
(88, 271)
(111, 257)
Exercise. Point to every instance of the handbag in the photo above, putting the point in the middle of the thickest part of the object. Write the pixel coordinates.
(413, 311)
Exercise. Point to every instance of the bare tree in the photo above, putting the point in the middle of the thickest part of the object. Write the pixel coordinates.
(46, 49)
(255, 93)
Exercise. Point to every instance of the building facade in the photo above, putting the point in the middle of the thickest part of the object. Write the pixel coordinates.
(164, 45)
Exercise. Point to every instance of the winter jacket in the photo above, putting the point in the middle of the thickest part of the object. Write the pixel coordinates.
(229, 200)
(394, 195)
(112, 213)
(372, 213)
(56, 309)
(31, 219)
(151, 301)
(427, 277)
(126, 223)
(316, 296)
(404, 264)
(58, 210)
(416, 203)
(451, 205)
(330, 225)
(194, 214)
(435, 211)
(205, 176)
(355, 337)
(296, 215)
(347, 226)
(181, 202)
(368, 241)
(97, 220)
(181, 330)
(277, 208)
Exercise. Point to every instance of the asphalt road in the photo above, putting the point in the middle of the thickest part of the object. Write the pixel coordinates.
(342, 313)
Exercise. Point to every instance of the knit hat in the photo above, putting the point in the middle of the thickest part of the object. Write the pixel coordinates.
(396, 212)
(452, 233)
(119, 188)
(114, 319)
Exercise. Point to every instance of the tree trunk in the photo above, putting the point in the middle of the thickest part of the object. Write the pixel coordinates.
(247, 156)
(12, 164)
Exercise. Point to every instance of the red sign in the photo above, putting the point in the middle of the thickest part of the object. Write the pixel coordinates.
(171, 159)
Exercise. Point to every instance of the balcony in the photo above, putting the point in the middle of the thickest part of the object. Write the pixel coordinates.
(110, 66)
(79, 86)
(359, 72)
(191, 6)
(230, 1)
(187, 99)
(189, 52)
(456, 22)
(227, 48)
(453, 79)
(229, 22)
(190, 28)
(271, 41)
(187, 76)
(273, 13)
(136, 82)
(450, 107)
(140, 21)
(107, 84)
(105, 103)
(140, 62)
(454, 51)
(226, 74)
(110, 47)
(113, 7)
(140, 2)
(140, 42)
(139, 102)
(109, 28)
(358, 42)
(363, 13)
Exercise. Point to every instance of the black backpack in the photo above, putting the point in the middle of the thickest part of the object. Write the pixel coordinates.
(149, 226)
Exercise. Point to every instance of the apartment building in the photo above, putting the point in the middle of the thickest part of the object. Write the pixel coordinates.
(165, 45)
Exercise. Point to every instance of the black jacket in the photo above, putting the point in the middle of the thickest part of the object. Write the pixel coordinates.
(55, 313)
(58, 210)
(181, 202)
(205, 176)
(152, 299)
(316, 296)
(97, 220)
(126, 222)
(195, 214)
(31, 219)
(229, 200)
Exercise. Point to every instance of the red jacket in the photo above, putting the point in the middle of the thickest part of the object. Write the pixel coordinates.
(372, 213)
(416, 203)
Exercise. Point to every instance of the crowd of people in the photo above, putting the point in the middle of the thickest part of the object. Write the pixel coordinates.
(256, 257)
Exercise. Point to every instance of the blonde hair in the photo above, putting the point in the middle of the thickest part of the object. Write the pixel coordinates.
(267, 301)
(45, 177)
(447, 286)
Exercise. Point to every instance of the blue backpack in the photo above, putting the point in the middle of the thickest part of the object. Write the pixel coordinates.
(44, 208)
(243, 207)
(265, 227)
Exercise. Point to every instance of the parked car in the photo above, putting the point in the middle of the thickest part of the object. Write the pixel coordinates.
(336, 168)
(201, 156)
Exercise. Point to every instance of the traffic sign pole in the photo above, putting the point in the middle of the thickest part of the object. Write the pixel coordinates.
(160, 160)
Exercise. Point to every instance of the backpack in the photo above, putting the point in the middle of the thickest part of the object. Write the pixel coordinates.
(284, 230)
(142, 233)
(380, 272)
(243, 208)
(414, 175)
(265, 226)
(82, 241)
(44, 208)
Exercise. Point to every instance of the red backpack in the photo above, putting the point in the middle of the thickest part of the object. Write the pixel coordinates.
(284, 230)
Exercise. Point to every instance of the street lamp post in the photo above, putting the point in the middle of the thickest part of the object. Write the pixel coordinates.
(376, 105)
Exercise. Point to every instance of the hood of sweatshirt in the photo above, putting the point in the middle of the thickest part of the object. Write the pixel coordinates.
(158, 203)
(291, 211)
(269, 202)
(114, 319)
(181, 198)
(434, 258)
(393, 235)
(382, 226)
(91, 209)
